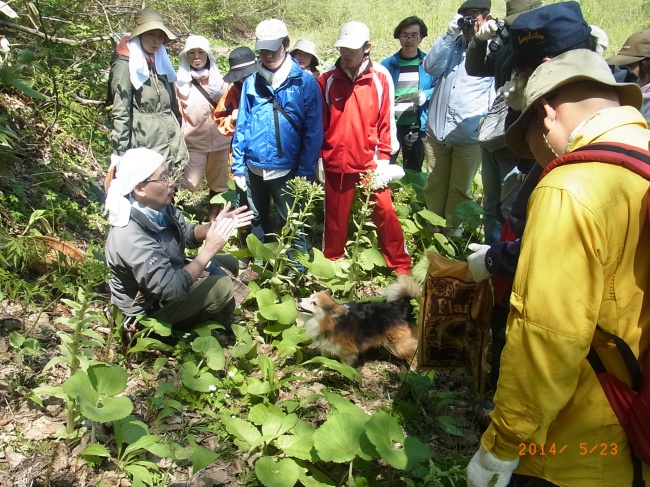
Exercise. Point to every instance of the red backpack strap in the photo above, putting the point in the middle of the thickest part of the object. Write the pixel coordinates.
(630, 157)
(633, 158)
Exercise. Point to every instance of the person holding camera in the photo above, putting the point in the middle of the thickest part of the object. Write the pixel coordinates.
(486, 55)
(458, 103)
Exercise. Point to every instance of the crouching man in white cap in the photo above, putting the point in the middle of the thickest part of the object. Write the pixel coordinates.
(145, 249)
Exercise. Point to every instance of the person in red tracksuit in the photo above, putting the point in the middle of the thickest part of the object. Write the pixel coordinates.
(359, 135)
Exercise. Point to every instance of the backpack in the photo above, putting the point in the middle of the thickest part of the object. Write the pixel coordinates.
(630, 404)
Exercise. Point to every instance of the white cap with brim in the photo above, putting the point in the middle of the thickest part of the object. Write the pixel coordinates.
(353, 35)
(567, 68)
(134, 167)
(269, 35)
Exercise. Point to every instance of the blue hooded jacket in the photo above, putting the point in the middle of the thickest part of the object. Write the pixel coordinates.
(256, 140)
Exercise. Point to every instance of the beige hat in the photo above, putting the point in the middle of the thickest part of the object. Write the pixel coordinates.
(353, 35)
(269, 34)
(516, 7)
(305, 45)
(567, 68)
(635, 49)
(148, 19)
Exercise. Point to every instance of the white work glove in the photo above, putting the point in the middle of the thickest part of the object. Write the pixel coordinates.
(381, 178)
(476, 262)
(513, 92)
(386, 173)
(214, 92)
(240, 182)
(452, 28)
(487, 31)
(234, 113)
(419, 98)
(484, 466)
(600, 36)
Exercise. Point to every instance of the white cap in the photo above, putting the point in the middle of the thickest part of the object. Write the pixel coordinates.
(353, 35)
(269, 34)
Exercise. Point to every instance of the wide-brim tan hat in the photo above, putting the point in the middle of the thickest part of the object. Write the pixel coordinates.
(148, 19)
(567, 68)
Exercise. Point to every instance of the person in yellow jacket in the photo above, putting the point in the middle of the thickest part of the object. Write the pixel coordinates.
(584, 261)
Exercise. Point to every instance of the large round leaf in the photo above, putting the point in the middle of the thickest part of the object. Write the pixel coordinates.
(258, 249)
(284, 312)
(298, 446)
(107, 379)
(210, 348)
(370, 258)
(195, 379)
(321, 266)
(339, 438)
(284, 473)
(386, 435)
(106, 410)
(79, 385)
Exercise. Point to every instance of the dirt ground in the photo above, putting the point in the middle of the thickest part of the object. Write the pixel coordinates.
(31, 455)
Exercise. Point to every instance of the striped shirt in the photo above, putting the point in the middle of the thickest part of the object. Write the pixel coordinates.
(406, 112)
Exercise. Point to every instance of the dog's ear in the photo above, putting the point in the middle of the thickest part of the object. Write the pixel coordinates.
(328, 292)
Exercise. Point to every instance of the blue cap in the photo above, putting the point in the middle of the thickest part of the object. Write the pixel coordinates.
(546, 31)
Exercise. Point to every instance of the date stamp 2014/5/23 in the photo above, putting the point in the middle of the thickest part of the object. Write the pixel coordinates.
(543, 449)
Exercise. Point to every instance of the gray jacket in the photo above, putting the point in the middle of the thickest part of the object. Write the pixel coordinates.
(147, 263)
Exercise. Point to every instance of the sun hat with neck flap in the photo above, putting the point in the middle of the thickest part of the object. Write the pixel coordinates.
(148, 19)
(567, 68)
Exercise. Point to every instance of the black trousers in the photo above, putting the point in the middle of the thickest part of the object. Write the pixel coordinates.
(518, 480)
(411, 141)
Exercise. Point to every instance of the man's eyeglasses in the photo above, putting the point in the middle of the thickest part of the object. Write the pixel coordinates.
(164, 178)
(411, 37)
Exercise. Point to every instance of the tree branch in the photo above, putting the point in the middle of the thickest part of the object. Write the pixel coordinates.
(60, 40)
(83, 101)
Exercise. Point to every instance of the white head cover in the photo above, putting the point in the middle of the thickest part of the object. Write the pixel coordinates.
(185, 71)
(135, 166)
(138, 68)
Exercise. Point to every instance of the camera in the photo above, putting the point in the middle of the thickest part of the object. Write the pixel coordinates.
(502, 37)
(467, 22)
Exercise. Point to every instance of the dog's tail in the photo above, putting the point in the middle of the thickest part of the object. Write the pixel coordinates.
(405, 288)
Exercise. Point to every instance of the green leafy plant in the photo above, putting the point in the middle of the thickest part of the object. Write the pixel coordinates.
(279, 269)
(84, 390)
(348, 434)
(133, 442)
(14, 73)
